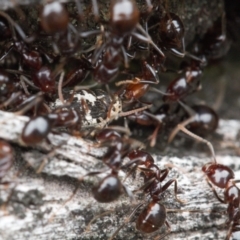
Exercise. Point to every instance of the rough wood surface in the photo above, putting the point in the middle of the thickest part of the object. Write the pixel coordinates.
(35, 209)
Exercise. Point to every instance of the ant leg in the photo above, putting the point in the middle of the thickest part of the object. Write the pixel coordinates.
(66, 201)
(60, 94)
(125, 57)
(230, 230)
(153, 137)
(95, 9)
(87, 229)
(215, 192)
(17, 27)
(167, 233)
(23, 84)
(136, 80)
(124, 114)
(147, 39)
(149, 5)
(6, 52)
(89, 33)
(10, 100)
(33, 103)
(167, 184)
(181, 127)
(127, 220)
(77, 88)
(128, 192)
(79, 9)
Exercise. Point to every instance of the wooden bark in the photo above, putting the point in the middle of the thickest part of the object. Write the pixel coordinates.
(35, 209)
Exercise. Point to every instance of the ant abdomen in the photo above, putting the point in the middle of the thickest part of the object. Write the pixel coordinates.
(218, 174)
(108, 189)
(123, 21)
(151, 218)
(205, 122)
(54, 17)
(36, 130)
(44, 79)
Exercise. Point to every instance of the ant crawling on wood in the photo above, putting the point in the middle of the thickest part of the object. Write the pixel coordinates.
(154, 215)
(221, 176)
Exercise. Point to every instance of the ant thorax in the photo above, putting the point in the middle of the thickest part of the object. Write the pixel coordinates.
(97, 109)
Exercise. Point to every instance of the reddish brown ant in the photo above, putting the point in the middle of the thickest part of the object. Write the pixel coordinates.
(223, 177)
(184, 85)
(154, 215)
(121, 25)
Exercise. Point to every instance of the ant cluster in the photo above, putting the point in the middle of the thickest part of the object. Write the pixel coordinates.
(42, 74)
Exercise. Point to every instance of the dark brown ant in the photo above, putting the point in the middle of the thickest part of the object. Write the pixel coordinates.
(54, 20)
(136, 88)
(223, 177)
(215, 43)
(122, 24)
(184, 85)
(38, 127)
(154, 215)
(110, 187)
(203, 120)
(171, 32)
(6, 158)
(36, 130)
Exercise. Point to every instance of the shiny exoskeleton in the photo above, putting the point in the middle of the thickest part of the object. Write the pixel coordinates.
(122, 24)
(154, 215)
(223, 177)
(110, 187)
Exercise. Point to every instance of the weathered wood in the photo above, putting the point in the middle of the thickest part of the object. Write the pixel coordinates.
(37, 197)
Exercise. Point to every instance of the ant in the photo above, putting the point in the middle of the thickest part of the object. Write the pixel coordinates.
(223, 177)
(110, 187)
(122, 24)
(185, 84)
(38, 127)
(54, 20)
(154, 215)
(203, 120)
(215, 43)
